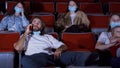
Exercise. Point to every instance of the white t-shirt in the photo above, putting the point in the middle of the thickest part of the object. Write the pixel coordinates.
(42, 44)
(104, 37)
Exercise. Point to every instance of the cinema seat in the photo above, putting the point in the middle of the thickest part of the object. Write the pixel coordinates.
(61, 7)
(42, 7)
(99, 23)
(86, 1)
(91, 8)
(114, 8)
(7, 39)
(79, 41)
(48, 19)
(43, 1)
(61, 0)
(54, 34)
(107, 1)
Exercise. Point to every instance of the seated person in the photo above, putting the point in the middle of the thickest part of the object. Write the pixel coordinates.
(105, 39)
(73, 21)
(38, 48)
(16, 20)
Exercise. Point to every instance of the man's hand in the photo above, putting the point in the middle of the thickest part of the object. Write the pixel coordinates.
(28, 29)
(57, 54)
(58, 51)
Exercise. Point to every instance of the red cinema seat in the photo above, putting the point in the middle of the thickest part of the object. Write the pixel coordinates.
(114, 8)
(42, 7)
(7, 39)
(61, 7)
(94, 8)
(43, 0)
(61, 0)
(48, 19)
(99, 23)
(87, 1)
(79, 41)
(106, 1)
(7, 54)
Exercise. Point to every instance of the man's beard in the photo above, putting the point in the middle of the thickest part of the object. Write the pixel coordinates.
(34, 29)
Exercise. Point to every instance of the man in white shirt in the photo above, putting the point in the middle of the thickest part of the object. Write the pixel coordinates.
(38, 48)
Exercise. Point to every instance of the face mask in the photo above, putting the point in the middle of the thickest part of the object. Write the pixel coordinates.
(36, 32)
(18, 10)
(72, 8)
(114, 24)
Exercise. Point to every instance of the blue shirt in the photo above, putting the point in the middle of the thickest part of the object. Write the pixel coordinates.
(14, 23)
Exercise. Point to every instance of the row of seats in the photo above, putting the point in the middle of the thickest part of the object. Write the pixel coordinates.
(7, 52)
(82, 42)
(57, 0)
(68, 0)
(50, 7)
(96, 21)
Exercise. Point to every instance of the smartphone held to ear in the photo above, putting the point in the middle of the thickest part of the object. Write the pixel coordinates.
(31, 28)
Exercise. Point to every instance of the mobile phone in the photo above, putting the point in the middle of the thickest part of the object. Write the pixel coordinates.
(31, 28)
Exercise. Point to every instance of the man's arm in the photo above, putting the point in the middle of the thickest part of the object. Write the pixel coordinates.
(62, 48)
(58, 51)
(19, 45)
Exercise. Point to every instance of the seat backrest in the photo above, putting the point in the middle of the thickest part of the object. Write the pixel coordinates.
(46, 7)
(114, 7)
(7, 39)
(106, 1)
(61, 7)
(86, 1)
(91, 8)
(79, 41)
(76, 1)
(48, 19)
(42, 0)
(99, 21)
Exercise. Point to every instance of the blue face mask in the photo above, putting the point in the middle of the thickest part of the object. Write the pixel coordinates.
(36, 32)
(72, 8)
(18, 10)
(114, 24)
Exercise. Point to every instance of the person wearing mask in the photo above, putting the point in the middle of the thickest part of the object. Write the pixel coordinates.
(38, 48)
(114, 21)
(74, 20)
(107, 39)
(15, 21)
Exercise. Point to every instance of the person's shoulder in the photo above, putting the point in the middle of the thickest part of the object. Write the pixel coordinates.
(105, 33)
(80, 12)
(6, 17)
(48, 35)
